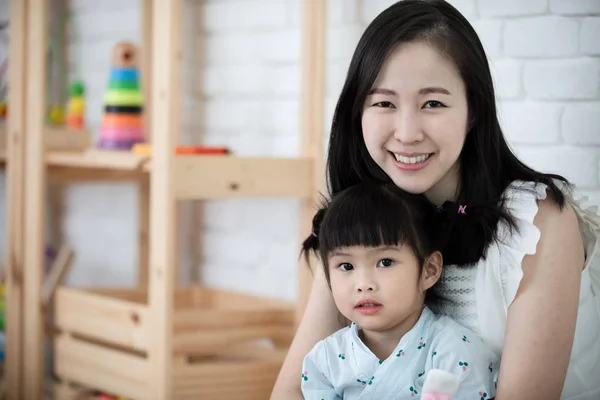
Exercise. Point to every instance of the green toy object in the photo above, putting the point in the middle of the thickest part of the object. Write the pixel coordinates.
(77, 89)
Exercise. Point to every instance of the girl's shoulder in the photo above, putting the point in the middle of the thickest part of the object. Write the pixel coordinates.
(446, 331)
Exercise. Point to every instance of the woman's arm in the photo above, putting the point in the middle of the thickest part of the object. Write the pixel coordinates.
(541, 320)
(321, 318)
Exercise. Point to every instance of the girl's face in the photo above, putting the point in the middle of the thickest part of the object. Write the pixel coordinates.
(380, 288)
(415, 121)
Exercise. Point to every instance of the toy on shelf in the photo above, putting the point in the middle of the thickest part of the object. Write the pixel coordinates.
(3, 110)
(146, 149)
(105, 396)
(76, 106)
(56, 115)
(123, 125)
(4, 44)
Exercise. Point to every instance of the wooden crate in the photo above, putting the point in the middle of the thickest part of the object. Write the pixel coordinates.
(226, 345)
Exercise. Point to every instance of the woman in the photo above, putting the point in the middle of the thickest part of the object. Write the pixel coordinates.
(418, 109)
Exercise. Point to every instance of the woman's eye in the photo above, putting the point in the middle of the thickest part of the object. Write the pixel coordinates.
(386, 262)
(384, 104)
(433, 104)
(345, 267)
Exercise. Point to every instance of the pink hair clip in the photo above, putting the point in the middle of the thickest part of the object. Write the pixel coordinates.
(462, 209)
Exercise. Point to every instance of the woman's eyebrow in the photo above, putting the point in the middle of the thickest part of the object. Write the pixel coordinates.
(433, 89)
(387, 92)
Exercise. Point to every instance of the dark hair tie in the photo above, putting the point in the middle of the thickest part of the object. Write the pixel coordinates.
(311, 243)
(450, 209)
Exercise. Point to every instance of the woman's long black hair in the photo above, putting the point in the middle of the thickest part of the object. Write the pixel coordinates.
(487, 164)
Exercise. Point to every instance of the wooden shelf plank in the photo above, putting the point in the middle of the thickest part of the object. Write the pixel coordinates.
(97, 159)
(208, 177)
(196, 177)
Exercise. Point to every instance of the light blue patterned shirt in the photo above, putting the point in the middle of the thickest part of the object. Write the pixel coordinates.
(342, 367)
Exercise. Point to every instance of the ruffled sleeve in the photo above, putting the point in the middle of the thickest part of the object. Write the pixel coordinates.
(521, 201)
(500, 273)
(513, 246)
(589, 221)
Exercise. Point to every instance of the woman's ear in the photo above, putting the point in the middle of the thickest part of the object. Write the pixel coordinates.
(432, 270)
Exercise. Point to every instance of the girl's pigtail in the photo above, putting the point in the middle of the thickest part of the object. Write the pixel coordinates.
(311, 243)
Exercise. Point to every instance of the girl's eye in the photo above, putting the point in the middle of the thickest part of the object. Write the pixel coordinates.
(386, 262)
(384, 104)
(433, 104)
(345, 267)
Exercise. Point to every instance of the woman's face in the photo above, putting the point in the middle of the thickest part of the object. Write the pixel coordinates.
(415, 121)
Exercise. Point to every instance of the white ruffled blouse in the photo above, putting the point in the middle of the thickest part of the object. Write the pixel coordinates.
(479, 297)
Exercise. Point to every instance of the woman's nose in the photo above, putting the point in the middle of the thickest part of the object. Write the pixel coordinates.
(407, 128)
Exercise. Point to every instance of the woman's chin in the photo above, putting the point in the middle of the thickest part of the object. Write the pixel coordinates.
(414, 185)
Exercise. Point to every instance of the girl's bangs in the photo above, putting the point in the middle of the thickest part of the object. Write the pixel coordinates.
(366, 218)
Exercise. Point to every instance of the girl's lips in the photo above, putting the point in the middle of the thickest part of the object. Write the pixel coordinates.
(369, 309)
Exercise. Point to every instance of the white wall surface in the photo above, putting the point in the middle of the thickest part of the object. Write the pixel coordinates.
(241, 86)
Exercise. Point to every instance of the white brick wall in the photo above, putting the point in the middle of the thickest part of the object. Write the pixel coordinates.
(570, 79)
(590, 31)
(242, 89)
(546, 36)
(511, 8)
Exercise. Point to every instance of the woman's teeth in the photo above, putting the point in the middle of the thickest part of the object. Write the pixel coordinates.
(411, 160)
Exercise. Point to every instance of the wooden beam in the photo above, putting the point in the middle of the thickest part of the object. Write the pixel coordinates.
(312, 120)
(143, 230)
(166, 74)
(34, 197)
(59, 269)
(146, 64)
(144, 185)
(15, 185)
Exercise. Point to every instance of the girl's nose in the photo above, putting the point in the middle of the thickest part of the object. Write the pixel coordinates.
(365, 283)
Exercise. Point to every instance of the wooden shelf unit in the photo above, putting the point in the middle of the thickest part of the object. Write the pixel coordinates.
(55, 139)
(159, 340)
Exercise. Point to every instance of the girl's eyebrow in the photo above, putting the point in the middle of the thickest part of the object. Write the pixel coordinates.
(338, 254)
(382, 248)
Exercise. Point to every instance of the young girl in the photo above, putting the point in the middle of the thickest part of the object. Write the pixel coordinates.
(418, 109)
(377, 245)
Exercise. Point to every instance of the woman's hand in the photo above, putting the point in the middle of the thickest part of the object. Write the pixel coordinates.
(541, 321)
(321, 318)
